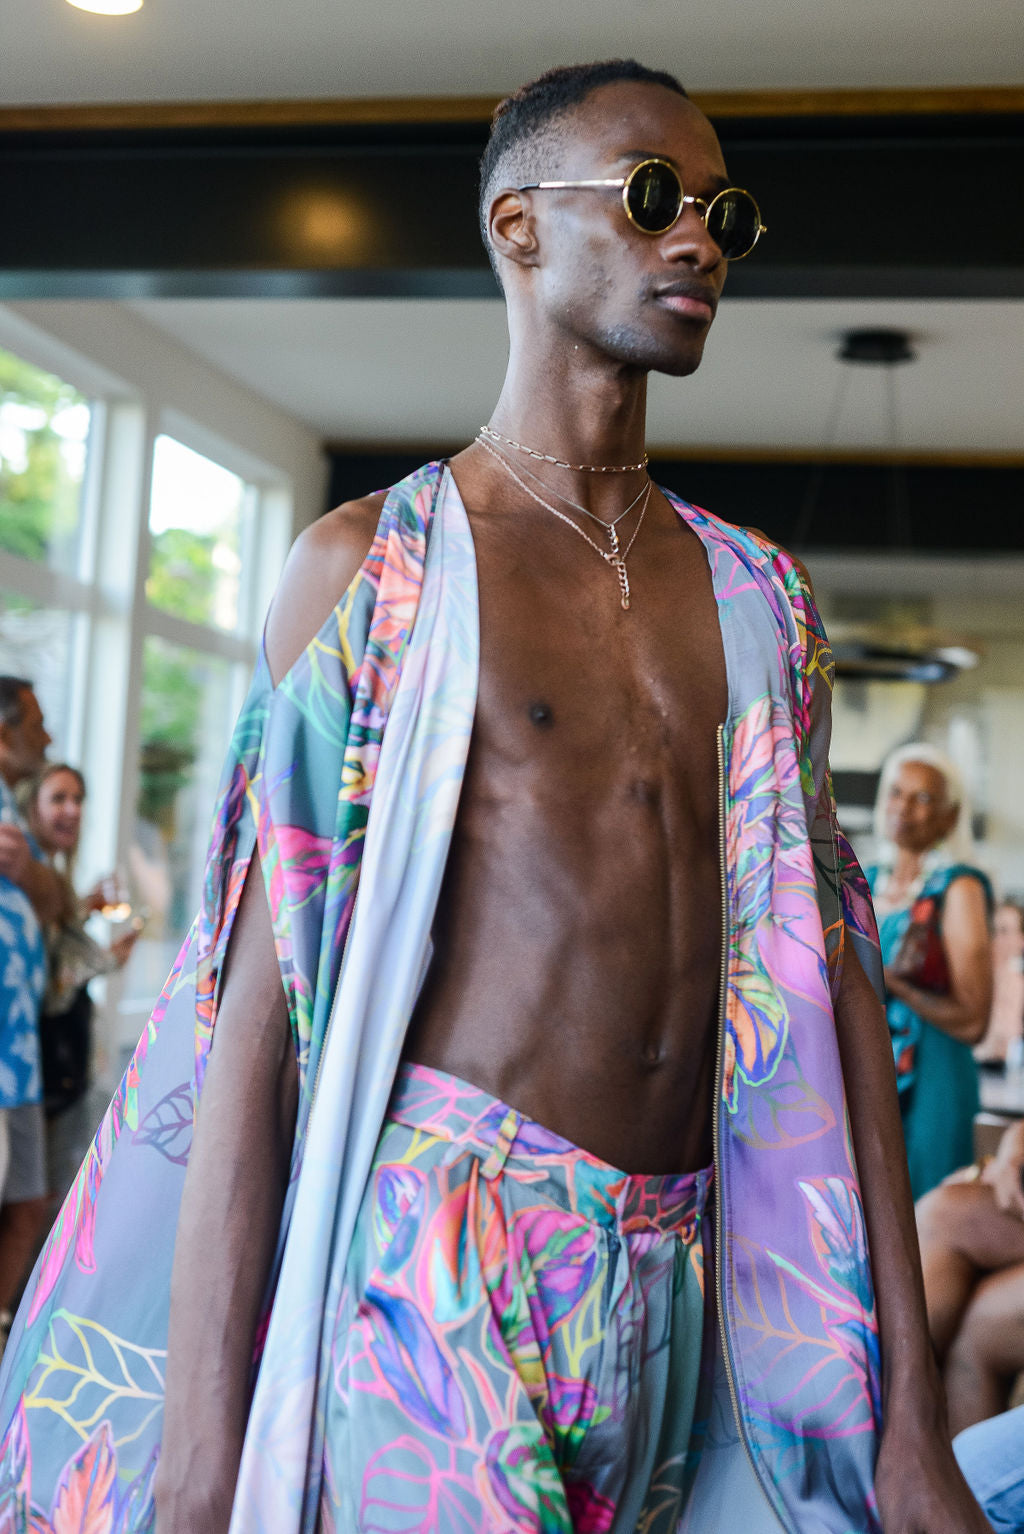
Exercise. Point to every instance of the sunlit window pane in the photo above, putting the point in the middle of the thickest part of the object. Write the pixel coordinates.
(196, 515)
(44, 433)
(185, 728)
(36, 643)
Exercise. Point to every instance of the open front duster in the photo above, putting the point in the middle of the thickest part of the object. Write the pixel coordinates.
(347, 776)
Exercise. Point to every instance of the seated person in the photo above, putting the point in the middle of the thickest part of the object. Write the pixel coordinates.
(1006, 1019)
(971, 1230)
(991, 1456)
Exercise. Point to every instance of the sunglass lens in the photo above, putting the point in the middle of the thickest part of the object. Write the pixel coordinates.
(734, 223)
(654, 197)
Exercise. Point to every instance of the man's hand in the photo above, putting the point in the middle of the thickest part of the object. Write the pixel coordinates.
(921, 1489)
(15, 854)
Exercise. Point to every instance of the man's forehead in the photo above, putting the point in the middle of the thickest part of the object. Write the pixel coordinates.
(631, 119)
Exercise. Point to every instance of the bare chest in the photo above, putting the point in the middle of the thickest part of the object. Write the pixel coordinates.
(571, 683)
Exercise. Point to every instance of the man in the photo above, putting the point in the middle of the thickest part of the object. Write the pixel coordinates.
(451, 1177)
(29, 894)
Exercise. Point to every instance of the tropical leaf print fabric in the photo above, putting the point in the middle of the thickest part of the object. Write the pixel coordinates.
(346, 776)
(520, 1334)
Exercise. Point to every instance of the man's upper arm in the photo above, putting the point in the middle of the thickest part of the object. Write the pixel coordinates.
(323, 562)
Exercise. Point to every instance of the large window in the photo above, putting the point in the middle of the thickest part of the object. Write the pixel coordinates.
(198, 517)
(44, 431)
(134, 573)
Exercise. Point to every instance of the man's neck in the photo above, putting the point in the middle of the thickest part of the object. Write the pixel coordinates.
(10, 778)
(573, 404)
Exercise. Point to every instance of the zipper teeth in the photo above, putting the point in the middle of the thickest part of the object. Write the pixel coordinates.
(716, 1133)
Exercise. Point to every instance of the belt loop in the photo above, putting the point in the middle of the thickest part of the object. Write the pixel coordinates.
(503, 1143)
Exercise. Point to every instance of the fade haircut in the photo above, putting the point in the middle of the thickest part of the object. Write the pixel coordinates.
(525, 125)
(11, 705)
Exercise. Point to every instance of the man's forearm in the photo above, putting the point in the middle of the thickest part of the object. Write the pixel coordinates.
(227, 1231)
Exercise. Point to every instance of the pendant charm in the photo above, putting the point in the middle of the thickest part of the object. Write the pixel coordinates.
(618, 564)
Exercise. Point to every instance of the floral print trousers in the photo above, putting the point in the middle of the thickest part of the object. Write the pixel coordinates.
(520, 1337)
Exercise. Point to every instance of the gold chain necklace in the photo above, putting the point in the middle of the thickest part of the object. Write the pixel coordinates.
(582, 509)
(560, 463)
(613, 556)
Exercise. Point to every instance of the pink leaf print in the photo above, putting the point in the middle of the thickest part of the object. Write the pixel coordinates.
(84, 1501)
(75, 1224)
(304, 860)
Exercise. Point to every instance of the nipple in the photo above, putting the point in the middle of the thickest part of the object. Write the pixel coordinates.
(541, 714)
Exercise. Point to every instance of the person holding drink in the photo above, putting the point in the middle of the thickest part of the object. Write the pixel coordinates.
(933, 908)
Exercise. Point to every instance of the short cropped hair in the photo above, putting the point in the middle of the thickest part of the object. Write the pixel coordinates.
(11, 706)
(525, 124)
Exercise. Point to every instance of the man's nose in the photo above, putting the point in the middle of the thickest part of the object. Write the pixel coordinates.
(689, 240)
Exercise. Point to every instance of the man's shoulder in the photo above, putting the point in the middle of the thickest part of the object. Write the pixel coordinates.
(324, 560)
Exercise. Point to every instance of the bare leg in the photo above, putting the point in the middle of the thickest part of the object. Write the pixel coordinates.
(963, 1236)
(21, 1226)
(988, 1351)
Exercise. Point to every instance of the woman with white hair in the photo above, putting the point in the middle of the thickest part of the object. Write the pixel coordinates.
(933, 910)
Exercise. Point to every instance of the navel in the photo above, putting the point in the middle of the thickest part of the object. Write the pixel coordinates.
(541, 715)
(644, 791)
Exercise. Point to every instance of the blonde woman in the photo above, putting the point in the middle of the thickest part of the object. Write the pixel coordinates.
(933, 907)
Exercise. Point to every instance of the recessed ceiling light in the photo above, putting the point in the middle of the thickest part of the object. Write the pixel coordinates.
(108, 7)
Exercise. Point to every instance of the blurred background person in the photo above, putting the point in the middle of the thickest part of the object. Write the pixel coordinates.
(53, 806)
(1004, 1036)
(31, 895)
(971, 1231)
(933, 911)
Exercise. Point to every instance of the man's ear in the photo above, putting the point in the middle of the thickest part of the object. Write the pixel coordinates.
(512, 228)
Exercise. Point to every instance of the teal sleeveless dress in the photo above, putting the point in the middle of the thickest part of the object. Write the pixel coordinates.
(936, 1074)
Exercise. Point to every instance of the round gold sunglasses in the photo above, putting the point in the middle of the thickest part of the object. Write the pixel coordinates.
(653, 197)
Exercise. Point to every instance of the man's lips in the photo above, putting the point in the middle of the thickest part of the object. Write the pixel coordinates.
(690, 300)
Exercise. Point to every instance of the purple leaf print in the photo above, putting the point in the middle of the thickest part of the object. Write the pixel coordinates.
(167, 1127)
(413, 1364)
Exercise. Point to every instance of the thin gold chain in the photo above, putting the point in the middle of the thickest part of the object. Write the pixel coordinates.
(612, 557)
(560, 463)
(576, 505)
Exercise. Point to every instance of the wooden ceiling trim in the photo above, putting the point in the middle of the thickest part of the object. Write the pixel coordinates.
(374, 111)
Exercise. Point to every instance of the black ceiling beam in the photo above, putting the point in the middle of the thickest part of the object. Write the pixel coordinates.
(915, 205)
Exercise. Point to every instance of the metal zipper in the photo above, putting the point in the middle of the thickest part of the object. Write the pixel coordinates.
(716, 1132)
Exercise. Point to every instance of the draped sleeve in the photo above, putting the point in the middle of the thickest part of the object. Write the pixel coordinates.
(844, 898)
(81, 1389)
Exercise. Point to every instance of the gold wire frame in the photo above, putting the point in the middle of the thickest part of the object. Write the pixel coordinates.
(626, 181)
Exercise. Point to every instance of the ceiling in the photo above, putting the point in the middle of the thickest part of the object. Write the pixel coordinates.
(420, 370)
(175, 50)
(366, 371)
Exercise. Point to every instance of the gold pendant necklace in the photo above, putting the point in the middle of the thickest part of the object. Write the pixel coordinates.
(611, 556)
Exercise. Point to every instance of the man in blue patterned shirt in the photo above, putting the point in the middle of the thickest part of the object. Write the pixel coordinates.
(30, 896)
